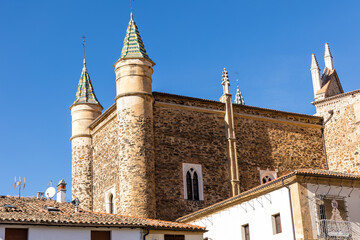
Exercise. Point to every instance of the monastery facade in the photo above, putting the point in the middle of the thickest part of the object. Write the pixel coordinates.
(151, 152)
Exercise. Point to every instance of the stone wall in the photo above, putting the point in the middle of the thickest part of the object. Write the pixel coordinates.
(81, 171)
(136, 165)
(106, 162)
(188, 130)
(182, 136)
(342, 131)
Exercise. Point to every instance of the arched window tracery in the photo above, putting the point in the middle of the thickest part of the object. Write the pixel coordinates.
(192, 183)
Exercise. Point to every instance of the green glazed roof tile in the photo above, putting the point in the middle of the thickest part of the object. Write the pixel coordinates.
(133, 45)
(239, 98)
(85, 92)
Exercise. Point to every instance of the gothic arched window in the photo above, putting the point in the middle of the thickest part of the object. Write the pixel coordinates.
(189, 186)
(193, 189)
(196, 186)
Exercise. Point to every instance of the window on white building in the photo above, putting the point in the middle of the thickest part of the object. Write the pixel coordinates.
(100, 235)
(276, 223)
(245, 232)
(193, 183)
(174, 237)
(16, 233)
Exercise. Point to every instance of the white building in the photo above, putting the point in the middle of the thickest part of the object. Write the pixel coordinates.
(42, 219)
(306, 204)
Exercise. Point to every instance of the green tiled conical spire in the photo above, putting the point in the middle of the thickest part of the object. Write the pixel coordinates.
(133, 45)
(239, 98)
(85, 92)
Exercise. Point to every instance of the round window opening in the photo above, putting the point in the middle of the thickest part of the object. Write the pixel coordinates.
(267, 179)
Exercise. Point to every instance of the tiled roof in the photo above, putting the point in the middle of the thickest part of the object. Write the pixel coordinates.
(270, 186)
(85, 92)
(133, 44)
(30, 210)
(239, 98)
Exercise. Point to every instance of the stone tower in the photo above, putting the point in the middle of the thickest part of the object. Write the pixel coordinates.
(134, 103)
(84, 110)
(341, 113)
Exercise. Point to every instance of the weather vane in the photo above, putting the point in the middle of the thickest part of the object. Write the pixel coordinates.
(18, 184)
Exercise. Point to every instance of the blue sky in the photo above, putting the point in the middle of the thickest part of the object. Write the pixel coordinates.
(269, 43)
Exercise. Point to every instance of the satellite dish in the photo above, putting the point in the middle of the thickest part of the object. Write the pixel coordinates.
(50, 192)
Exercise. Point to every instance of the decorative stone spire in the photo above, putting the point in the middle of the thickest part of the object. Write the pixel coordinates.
(133, 45)
(85, 92)
(315, 74)
(225, 81)
(238, 97)
(328, 58)
(230, 134)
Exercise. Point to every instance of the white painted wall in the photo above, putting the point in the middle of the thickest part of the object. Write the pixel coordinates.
(257, 212)
(2, 233)
(69, 233)
(78, 233)
(352, 202)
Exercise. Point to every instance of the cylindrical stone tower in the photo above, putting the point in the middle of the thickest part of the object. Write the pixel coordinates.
(84, 111)
(134, 103)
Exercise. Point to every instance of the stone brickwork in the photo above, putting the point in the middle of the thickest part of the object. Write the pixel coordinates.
(182, 136)
(188, 130)
(342, 131)
(81, 171)
(136, 165)
(106, 161)
(264, 144)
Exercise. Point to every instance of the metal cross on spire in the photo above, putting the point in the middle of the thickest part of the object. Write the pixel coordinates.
(237, 80)
(83, 43)
(131, 9)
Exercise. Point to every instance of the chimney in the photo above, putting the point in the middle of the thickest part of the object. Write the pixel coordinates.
(40, 195)
(61, 192)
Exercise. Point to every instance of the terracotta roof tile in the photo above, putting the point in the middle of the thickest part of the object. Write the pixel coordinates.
(31, 210)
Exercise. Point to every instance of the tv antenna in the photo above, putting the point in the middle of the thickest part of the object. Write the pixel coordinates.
(19, 183)
(50, 191)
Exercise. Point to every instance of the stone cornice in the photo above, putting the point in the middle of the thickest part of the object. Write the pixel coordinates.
(80, 135)
(242, 115)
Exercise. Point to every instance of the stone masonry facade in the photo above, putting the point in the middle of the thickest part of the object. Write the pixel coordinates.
(136, 164)
(342, 131)
(105, 161)
(189, 130)
(82, 170)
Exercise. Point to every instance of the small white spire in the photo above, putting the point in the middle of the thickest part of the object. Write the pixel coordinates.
(315, 74)
(314, 63)
(328, 58)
